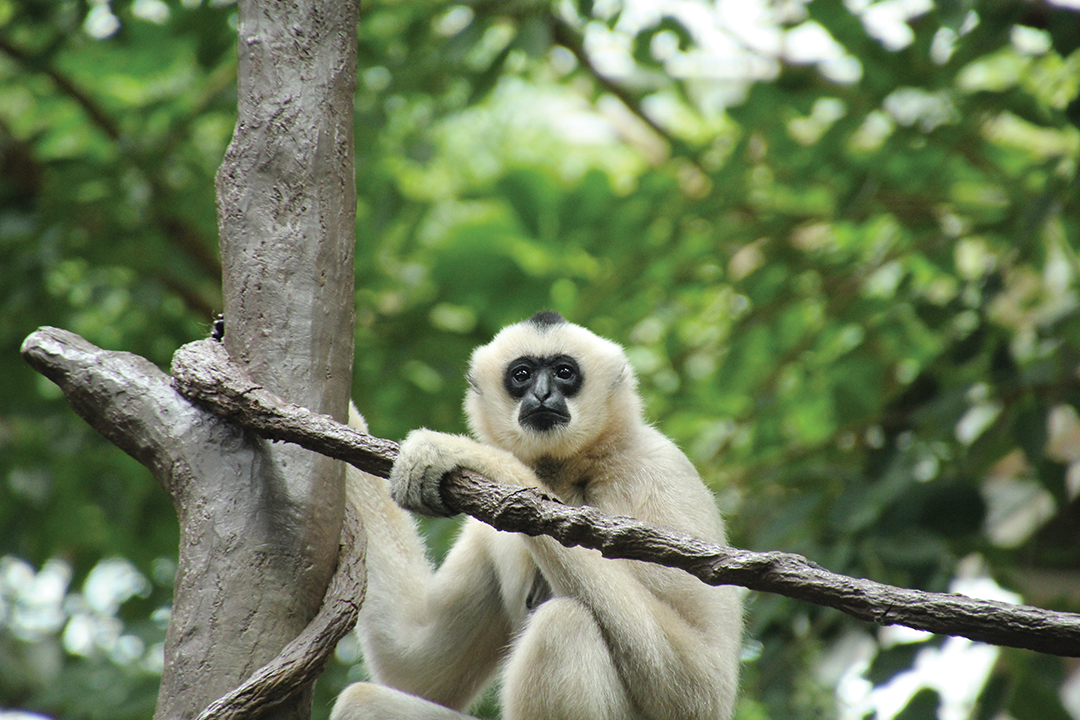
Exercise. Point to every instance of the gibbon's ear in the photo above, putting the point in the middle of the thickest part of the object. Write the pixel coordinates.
(625, 376)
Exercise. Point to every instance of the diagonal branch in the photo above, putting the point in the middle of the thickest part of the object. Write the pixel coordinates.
(94, 111)
(203, 372)
(568, 37)
(181, 233)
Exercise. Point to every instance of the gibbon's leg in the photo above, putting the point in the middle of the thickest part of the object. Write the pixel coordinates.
(368, 701)
(561, 668)
(674, 640)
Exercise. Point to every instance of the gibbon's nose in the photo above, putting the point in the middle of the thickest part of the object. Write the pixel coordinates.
(541, 389)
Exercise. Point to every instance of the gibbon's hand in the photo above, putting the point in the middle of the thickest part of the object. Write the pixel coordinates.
(416, 478)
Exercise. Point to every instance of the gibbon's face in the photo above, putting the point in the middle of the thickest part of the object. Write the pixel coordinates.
(542, 386)
(547, 387)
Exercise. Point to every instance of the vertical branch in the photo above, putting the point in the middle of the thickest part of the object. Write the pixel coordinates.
(257, 552)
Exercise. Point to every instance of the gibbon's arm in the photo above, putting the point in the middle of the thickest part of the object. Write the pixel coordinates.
(432, 633)
(427, 455)
(674, 640)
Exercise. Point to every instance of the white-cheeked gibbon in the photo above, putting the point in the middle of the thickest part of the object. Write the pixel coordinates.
(571, 634)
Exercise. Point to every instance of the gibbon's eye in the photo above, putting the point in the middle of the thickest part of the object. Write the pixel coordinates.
(565, 372)
(520, 375)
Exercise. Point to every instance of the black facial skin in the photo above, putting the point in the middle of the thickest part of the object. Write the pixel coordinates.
(543, 384)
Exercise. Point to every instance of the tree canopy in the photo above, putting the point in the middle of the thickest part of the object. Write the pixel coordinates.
(839, 242)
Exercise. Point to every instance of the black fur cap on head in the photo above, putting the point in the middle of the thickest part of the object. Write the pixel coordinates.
(546, 319)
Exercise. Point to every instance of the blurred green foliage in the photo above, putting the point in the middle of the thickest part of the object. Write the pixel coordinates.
(848, 282)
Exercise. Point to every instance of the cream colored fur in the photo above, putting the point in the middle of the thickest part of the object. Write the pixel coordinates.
(618, 639)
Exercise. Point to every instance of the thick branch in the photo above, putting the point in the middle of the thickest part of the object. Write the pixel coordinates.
(125, 397)
(202, 372)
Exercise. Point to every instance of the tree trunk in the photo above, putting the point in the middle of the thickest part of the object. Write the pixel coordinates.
(259, 535)
(260, 524)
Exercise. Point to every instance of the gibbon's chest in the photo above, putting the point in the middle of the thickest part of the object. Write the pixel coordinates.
(575, 481)
(522, 586)
(587, 480)
(517, 575)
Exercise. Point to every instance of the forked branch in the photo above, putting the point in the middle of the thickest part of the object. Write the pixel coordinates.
(133, 403)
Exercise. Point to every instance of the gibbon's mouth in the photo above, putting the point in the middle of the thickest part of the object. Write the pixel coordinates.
(544, 418)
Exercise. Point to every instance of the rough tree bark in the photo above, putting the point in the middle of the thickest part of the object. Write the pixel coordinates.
(260, 523)
(199, 458)
(256, 555)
